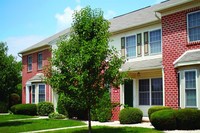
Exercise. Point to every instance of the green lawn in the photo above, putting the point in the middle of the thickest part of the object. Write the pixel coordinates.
(105, 129)
(31, 125)
(13, 117)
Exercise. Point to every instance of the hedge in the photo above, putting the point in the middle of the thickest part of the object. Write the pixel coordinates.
(130, 115)
(156, 108)
(45, 108)
(24, 109)
(164, 119)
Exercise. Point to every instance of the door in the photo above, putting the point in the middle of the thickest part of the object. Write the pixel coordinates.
(128, 93)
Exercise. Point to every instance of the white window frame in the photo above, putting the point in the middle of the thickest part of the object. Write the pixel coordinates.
(150, 42)
(150, 92)
(39, 92)
(32, 93)
(188, 26)
(130, 57)
(29, 62)
(39, 61)
(191, 70)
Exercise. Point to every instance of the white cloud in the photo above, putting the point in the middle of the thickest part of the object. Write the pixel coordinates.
(64, 20)
(17, 44)
(110, 14)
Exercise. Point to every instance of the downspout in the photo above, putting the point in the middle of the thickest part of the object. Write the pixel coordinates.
(156, 15)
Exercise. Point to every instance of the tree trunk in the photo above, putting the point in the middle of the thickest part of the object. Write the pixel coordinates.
(89, 122)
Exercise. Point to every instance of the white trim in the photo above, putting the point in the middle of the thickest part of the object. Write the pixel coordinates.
(188, 51)
(191, 70)
(188, 39)
(186, 63)
(163, 82)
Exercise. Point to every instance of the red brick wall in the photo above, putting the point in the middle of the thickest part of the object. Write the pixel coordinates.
(175, 43)
(115, 98)
(27, 75)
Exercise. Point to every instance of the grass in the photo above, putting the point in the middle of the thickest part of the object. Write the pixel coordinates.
(32, 125)
(105, 129)
(14, 117)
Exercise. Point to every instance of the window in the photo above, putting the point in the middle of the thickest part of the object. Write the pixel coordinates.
(33, 94)
(39, 61)
(190, 88)
(156, 91)
(194, 26)
(131, 46)
(41, 93)
(144, 92)
(155, 41)
(29, 63)
(150, 91)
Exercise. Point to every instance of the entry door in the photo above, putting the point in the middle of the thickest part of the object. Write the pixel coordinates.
(128, 93)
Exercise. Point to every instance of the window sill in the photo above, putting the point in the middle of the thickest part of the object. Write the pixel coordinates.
(194, 42)
(29, 71)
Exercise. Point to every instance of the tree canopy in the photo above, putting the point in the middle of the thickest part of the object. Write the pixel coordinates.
(84, 64)
(10, 73)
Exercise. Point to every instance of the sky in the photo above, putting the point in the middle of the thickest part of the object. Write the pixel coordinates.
(26, 22)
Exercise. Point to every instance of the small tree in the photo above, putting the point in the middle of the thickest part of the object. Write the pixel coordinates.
(84, 64)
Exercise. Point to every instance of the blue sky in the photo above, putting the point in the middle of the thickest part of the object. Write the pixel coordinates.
(26, 22)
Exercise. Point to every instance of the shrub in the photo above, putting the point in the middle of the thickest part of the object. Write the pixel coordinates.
(14, 99)
(156, 108)
(56, 116)
(61, 105)
(24, 109)
(164, 119)
(103, 110)
(130, 116)
(3, 107)
(188, 119)
(71, 108)
(45, 108)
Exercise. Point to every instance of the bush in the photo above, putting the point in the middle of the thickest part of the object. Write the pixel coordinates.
(130, 116)
(71, 108)
(188, 119)
(156, 108)
(61, 105)
(24, 109)
(164, 119)
(103, 110)
(56, 116)
(14, 99)
(3, 107)
(45, 108)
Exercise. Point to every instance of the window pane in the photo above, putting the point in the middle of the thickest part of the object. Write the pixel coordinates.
(190, 88)
(190, 79)
(190, 97)
(33, 93)
(155, 41)
(41, 93)
(40, 61)
(144, 93)
(131, 46)
(29, 63)
(156, 91)
(194, 26)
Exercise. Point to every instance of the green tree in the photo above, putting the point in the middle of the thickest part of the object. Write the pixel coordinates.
(10, 73)
(84, 64)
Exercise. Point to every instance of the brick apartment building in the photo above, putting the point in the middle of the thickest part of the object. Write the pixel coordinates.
(161, 44)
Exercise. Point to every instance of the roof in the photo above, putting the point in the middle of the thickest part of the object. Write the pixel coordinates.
(190, 57)
(130, 20)
(142, 65)
(46, 42)
(138, 17)
(37, 78)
